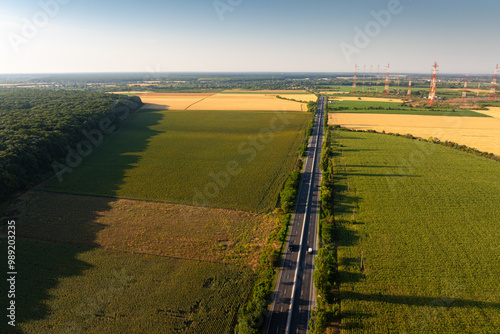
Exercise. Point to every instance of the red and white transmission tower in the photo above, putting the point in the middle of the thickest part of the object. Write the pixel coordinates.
(408, 96)
(494, 85)
(355, 78)
(378, 71)
(364, 74)
(432, 92)
(478, 88)
(464, 93)
(386, 89)
(371, 73)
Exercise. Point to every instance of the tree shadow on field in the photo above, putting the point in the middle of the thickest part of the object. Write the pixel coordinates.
(54, 228)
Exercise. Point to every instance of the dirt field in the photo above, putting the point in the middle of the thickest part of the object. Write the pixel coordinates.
(153, 228)
(481, 133)
(367, 99)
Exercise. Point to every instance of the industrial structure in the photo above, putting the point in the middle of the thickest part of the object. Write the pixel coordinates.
(432, 92)
(386, 89)
(464, 93)
(494, 85)
(408, 95)
(355, 78)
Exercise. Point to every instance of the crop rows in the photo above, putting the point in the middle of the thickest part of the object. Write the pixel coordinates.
(229, 159)
(425, 220)
(81, 290)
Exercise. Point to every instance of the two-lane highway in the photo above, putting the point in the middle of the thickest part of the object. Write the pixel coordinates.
(293, 298)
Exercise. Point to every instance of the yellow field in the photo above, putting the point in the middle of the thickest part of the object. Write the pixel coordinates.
(300, 97)
(481, 133)
(169, 101)
(179, 101)
(333, 92)
(367, 99)
(277, 91)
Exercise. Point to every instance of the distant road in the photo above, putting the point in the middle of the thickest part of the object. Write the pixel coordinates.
(293, 298)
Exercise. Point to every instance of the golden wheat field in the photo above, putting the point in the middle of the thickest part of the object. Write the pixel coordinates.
(300, 97)
(482, 133)
(169, 101)
(178, 101)
(277, 91)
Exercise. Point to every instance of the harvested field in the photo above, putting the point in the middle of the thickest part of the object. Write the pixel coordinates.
(222, 101)
(138, 92)
(247, 102)
(171, 101)
(492, 111)
(300, 97)
(281, 91)
(479, 132)
(153, 228)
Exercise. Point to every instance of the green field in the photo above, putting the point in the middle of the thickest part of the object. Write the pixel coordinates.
(104, 263)
(396, 108)
(364, 104)
(72, 289)
(426, 219)
(228, 159)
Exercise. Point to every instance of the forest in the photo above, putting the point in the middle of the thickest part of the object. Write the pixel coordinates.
(38, 127)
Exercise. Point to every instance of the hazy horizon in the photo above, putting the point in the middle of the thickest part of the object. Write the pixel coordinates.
(381, 74)
(239, 36)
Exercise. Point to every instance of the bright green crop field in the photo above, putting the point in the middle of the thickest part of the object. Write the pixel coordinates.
(227, 159)
(396, 108)
(71, 289)
(364, 104)
(426, 219)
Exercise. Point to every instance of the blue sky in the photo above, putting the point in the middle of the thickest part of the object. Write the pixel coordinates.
(248, 35)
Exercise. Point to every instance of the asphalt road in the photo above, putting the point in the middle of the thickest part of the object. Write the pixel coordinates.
(293, 298)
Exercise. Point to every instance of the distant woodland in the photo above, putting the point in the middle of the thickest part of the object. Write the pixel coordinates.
(39, 128)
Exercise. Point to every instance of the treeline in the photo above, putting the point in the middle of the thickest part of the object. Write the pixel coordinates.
(312, 106)
(289, 192)
(39, 127)
(325, 276)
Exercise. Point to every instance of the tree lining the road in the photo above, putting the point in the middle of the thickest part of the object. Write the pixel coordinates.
(325, 275)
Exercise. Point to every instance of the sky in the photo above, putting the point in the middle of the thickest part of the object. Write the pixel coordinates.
(70, 36)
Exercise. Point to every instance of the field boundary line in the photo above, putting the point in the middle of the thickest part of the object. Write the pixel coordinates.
(192, 104)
